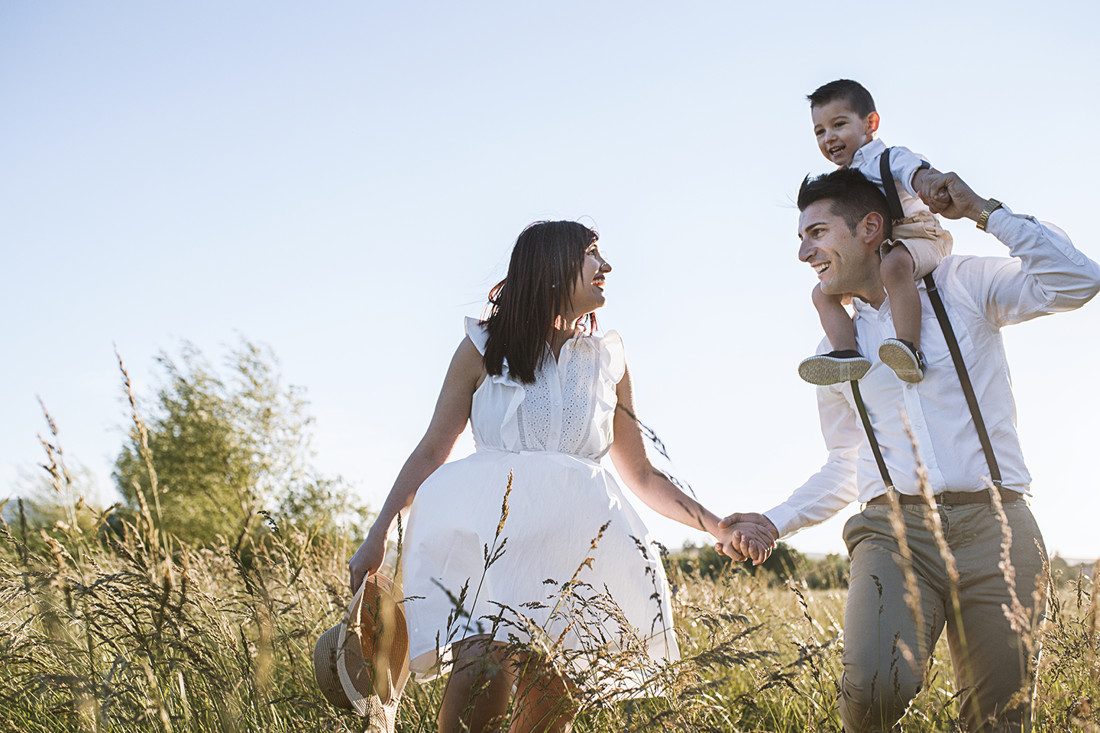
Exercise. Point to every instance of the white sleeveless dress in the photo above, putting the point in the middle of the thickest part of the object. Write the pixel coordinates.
(548, 436)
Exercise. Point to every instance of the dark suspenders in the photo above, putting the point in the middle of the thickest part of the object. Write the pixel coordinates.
(871, 436)
(894, 201)
(964, 378)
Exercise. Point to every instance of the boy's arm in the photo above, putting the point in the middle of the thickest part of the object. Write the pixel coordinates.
(1046, 273)
(908, 168)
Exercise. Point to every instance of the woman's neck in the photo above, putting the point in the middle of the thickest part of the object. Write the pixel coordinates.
(562, 330)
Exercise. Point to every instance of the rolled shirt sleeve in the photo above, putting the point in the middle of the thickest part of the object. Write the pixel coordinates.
(904, 163)
(1046, 274)
(834, 486)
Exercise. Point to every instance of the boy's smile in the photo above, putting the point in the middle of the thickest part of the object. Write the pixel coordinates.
(840, 132)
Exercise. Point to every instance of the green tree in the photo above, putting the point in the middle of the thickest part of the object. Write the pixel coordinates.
(785, 563)
(226, 448)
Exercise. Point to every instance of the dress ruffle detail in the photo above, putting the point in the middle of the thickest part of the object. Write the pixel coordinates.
(477, 334)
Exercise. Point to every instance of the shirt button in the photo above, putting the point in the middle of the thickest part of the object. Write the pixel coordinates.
(557, 403)
(909, 386)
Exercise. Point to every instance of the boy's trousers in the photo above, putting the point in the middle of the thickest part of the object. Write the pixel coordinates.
(887, 650)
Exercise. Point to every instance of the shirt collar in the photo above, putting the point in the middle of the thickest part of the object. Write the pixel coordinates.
(867, 153)
(862, 307)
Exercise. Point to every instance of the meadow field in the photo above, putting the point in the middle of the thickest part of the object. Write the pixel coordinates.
(110, 621)
(102, 630)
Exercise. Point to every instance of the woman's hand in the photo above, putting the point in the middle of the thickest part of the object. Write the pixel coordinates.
(368, 558)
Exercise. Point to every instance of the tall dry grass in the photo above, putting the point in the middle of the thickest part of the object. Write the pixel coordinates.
(99, 633)
(113, 626)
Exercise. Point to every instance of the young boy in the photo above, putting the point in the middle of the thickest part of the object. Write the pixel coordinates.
(845, 122)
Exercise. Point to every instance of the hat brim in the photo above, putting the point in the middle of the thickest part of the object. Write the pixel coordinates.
(372, 654)
(325, 670)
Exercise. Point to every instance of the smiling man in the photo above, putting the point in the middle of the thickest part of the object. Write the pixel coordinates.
(903, 593)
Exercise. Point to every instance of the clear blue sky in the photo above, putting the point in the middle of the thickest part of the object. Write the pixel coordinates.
(343, 182)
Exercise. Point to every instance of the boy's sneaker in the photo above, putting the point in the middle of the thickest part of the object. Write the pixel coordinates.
(906, 360)
(835, 367)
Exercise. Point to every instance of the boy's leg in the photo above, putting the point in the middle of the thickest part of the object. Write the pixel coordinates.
(886, 649)
(844, 363)
(902, 354)
(835, 320)
(995, 663)
(905, 308)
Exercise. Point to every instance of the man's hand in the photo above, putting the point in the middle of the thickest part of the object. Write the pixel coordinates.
(947, 194)
(753, 535)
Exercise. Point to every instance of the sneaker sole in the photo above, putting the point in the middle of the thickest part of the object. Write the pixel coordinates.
(823, 371)
(899, 358)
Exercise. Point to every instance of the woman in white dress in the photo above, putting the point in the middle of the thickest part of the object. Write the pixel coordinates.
(547, 399)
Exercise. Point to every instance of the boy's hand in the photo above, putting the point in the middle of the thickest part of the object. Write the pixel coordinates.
(952, 197)
(919, 178)
(930, 187)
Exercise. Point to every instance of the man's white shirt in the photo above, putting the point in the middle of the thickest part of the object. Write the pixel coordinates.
(1045, 274)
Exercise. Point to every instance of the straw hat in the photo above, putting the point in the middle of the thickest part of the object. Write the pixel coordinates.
(362, 663)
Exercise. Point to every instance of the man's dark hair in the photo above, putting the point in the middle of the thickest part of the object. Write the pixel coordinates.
(850, 195)
(852, 92)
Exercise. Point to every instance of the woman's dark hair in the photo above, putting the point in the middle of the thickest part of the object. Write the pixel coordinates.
(545, 264)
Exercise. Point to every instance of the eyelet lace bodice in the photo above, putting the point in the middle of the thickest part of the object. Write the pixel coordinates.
(569, 408)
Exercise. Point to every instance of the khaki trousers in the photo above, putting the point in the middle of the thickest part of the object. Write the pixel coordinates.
(887, 651)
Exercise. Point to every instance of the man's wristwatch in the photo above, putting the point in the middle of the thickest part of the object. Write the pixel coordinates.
(990, 207)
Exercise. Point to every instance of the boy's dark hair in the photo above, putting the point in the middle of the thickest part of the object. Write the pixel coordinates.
(852, 92)
(546, 262)
(850, 195)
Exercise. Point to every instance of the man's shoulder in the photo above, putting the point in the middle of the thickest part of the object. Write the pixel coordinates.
(958, 270)
(965, 280)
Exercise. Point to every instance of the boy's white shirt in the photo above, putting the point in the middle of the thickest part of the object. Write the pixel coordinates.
(904, 163)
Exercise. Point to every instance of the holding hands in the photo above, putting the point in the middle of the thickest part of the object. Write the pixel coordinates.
(746, 536)
(947, 194)
(929, 185)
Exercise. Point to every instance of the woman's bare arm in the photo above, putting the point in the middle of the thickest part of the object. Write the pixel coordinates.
(452, 411)
(652, 486)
